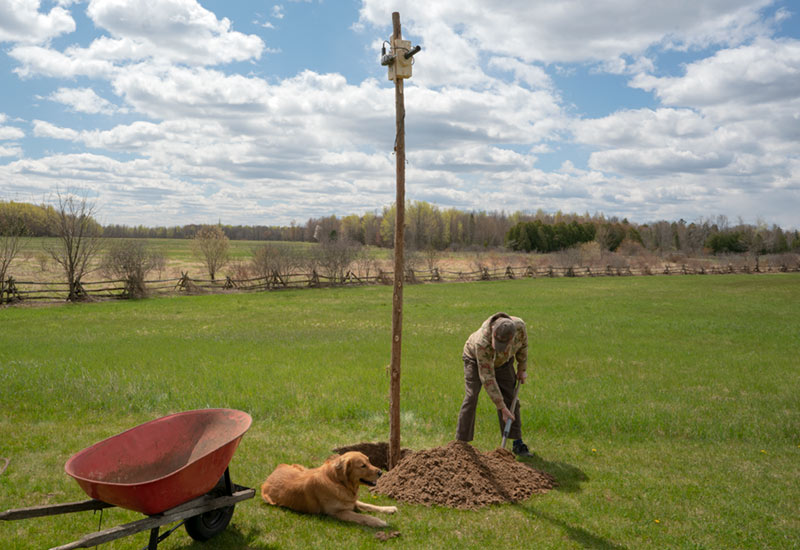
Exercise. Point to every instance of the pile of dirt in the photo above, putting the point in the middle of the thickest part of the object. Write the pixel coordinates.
(459, 476)
(377, 453)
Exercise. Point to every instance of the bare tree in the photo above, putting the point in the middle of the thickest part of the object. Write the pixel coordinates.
(131, 260)
(12, 230)
(365, 264)
(334, 256)
(211, 245)
(432, 256)
(78, 239)
(276, 262)
(568, 257)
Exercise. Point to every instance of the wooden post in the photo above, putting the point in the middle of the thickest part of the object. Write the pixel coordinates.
(399, 268)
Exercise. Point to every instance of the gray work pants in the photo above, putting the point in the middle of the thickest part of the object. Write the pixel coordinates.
(506, 378)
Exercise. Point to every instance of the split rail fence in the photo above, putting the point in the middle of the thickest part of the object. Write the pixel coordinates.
(12, 291)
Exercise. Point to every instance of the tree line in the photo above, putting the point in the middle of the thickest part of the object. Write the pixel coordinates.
(429, 227)
(79, 239)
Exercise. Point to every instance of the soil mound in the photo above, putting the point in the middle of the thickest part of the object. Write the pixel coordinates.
(377, 453)
(458, 476)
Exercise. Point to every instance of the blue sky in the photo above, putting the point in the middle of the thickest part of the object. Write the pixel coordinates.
(168, 112)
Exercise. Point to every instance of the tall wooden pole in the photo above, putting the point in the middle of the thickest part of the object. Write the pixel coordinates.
(399, 267)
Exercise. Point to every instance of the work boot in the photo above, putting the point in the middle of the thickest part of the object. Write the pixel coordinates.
(520, 449)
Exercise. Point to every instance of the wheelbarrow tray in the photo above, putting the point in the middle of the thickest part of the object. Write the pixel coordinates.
(162, 463)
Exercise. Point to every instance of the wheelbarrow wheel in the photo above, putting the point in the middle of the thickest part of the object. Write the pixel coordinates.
(204, 526)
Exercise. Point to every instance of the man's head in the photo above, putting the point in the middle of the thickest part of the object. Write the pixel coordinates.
(502, 333)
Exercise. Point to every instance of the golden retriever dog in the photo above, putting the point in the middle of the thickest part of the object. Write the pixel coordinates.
(330, 489)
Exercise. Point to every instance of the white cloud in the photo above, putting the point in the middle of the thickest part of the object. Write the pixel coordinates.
(9, 132)
(21, 21)
(131, 138)
(504, 113)
(10, 151)
(647, 144)
(658, 161)
(621, 66)
(642, 128)
(45, 129)
(532, 75)
(169, 30)
(84, 100)
(765, 71)
(8, 148)
(581, 30)
(473, 158)
(40, 61)
(735, 113)
(162, 33)
(165, 93)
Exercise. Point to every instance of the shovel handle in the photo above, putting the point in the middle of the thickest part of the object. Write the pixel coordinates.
(507, 428)
(506, 431)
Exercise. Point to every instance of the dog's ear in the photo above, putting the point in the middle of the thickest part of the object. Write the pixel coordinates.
(348, 467)
(342, 469)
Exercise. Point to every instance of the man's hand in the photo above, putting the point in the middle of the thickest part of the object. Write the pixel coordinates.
(522, 376)
(507, 415)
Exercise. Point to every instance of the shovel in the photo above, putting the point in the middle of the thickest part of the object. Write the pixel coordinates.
(508, 422)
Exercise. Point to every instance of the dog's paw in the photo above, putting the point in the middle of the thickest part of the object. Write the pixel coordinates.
(376, 522)
(391, 509)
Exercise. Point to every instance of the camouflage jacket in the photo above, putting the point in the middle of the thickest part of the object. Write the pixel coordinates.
(479, 347)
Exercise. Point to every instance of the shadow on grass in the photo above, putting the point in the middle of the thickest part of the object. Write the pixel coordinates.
(233, 537)
(579, 535)
(569, 477)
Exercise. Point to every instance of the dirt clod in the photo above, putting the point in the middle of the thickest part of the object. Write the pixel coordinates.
(386, 535)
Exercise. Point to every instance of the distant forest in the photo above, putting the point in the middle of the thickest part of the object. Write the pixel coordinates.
(429, 227)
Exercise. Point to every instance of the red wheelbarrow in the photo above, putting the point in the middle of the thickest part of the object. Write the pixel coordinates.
(171, 469)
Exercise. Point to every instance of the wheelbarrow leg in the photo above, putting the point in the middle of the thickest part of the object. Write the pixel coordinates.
(228, 484)
(153, 544)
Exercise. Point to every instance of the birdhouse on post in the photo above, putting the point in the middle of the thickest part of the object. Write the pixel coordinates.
(400, 59)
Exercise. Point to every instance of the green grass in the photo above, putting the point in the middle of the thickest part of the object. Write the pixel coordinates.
(668, 408)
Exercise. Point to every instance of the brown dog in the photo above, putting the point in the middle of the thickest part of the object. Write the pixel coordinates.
(330, 489)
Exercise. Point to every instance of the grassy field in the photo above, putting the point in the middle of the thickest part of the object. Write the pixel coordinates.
(33, 263)
(174, 249)
(668, 408)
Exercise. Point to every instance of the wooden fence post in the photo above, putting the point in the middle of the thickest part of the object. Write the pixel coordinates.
(9, 288)
(182, 282)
